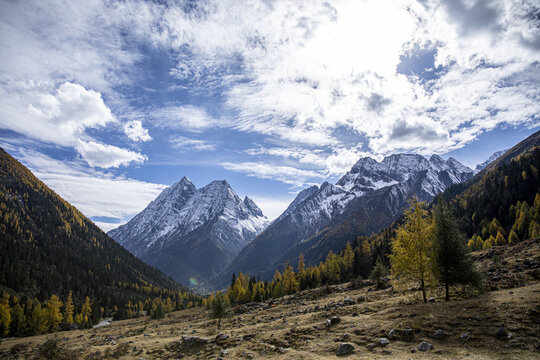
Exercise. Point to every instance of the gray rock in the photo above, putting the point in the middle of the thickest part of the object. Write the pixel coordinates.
(223, 352)
(345, 348)
(386, 352)
(392, 334)
(189, 341)
(222, 337)
(348, 301)
(439, 334)
(425, 346)
(333, 321)
(464, 337)
(431, 299)
(371, 347)
(502, 333)
(383, 341)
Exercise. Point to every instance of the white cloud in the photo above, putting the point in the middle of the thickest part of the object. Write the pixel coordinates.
(184, 143)
(135, 131)
(60, 118)
(272, 207)
(189, 118)
(286, 174)
(107, 156)
(94, 192)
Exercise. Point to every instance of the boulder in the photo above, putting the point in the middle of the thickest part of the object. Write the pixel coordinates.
(383, 341)
(439, 334)
(425, 346)
(344, 349)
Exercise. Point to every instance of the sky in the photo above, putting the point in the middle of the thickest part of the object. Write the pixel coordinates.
(108, 102)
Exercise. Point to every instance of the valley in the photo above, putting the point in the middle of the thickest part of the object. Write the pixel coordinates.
(295, 326)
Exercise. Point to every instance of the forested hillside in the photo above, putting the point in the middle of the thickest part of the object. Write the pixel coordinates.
(47, 247)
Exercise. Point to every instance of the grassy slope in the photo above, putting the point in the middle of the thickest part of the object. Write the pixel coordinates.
(512, 300)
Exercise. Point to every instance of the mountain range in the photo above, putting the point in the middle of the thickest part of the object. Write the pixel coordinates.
(365, 200)
(192, 234)
(204, 235)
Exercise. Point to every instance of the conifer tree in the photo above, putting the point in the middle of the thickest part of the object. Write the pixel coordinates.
(54, 316)
(86, 312)
(454, 263)
(499, 240)
(18, 321)
(412, 255)
(220, 308)
(301, 268)
(68, 309)
(290, 284)
(5, 315)
(378, 272)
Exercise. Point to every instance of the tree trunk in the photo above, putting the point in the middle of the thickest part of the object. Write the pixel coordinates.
(423, 291)
(219, 323)
(447, 298)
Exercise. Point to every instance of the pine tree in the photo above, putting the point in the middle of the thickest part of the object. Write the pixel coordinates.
(220, 308)
(499, 240)
(348, 258)
(158, 310)
(54, 316)
(68, 309)
(378, 272)
(290, 284)
(412, 255)
(18, 321)
(5, 315)
(455, 266)
(37, 324)
(301, 268)
(513, 238)
(86, 312)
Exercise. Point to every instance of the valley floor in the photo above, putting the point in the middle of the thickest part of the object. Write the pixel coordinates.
(294, 327)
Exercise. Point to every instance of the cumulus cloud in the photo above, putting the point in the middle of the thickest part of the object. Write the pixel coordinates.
(60, 117)
(107, 156)
(135, 131)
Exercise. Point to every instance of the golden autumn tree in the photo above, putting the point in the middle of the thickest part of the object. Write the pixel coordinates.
(290, 284)
(412, 257)
(68, 309)
(54, 316)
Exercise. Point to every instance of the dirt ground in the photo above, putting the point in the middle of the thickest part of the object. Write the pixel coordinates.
(295, 327)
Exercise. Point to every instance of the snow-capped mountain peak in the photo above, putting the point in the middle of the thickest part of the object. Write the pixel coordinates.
(491, 159)
(223, 224)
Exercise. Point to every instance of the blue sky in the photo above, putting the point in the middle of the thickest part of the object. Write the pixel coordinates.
(109, 102)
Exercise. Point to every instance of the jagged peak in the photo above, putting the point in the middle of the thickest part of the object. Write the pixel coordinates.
(250, 204)
(457, 165)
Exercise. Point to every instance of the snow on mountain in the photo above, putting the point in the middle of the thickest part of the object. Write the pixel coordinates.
(491, 159)
(368, 197)
(182, 216)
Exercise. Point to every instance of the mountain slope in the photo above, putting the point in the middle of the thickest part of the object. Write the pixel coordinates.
(192, 233)
(48, 247)
(489, 160)
(365, 200)
(512, 177)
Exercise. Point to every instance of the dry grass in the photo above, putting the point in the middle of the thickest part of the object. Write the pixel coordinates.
(294, 328)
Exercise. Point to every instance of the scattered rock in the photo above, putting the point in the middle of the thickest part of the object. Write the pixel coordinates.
(502, 333)
(223, 352)
(190, 341)
(371, 347)
(348, 301)
(361, 299)
(383, 341)
(464, 337)
(425, 346)
(431, 299)
(222, 337)
(413, 350)
(439, 334)
(392, 334)
(344, 349)
(386, 352)
(333, 321)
